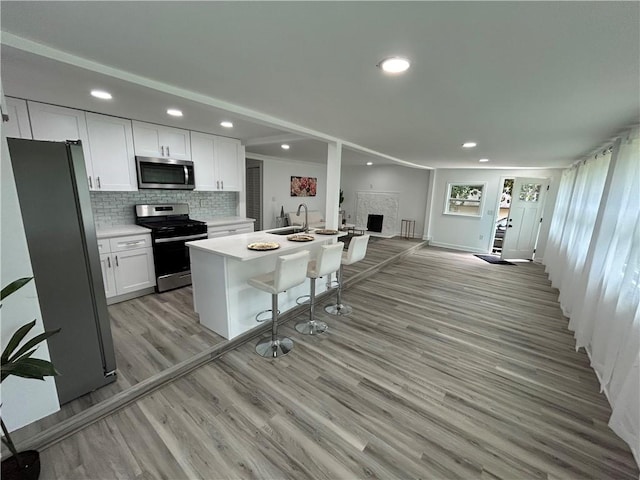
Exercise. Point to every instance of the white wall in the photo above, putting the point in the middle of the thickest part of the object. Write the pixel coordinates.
(23, 400)
(411, 183)
(276, 183)
(463, 233)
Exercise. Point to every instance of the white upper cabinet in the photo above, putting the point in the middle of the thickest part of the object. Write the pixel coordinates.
(202, 148)
(18, 125)
(228, 163)
(112, 155)
(217, 163)
(49, 122)
(159, 141)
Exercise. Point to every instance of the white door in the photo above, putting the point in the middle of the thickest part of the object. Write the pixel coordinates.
(112, 156)
(202, 155)
(146, 138)
(58, 124)
(228, 164)
(177, 143)
(134, 270)
(18, 125)
(106, 263)
(525, 215)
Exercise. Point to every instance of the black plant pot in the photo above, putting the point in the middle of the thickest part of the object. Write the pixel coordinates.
(30, 470)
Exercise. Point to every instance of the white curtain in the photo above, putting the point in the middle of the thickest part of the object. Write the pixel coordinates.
(595, 263)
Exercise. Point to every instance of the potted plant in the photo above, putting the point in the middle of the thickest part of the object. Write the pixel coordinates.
(17, 361)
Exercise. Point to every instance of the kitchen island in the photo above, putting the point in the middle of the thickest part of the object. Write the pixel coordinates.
(220, 268)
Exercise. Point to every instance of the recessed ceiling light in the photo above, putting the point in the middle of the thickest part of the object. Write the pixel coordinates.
(285, 146)
(174, 112)
(394, 64)
(226, 124)
(482, 160)
(469, 144)
(101, 94)
(369, 163)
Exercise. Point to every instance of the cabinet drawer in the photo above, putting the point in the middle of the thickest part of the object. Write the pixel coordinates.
(130, 242)
(231, 229)
(103, 246)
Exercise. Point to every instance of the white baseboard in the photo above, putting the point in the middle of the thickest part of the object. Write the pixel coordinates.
(463, 248)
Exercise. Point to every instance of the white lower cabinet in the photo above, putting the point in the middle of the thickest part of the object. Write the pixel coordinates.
(226, 230)
(128, 266)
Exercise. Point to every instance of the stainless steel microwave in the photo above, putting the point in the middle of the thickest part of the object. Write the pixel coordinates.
(166, 173)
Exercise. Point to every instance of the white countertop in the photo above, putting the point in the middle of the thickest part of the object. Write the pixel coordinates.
(220, 221)
(235, 246)
(120, 231)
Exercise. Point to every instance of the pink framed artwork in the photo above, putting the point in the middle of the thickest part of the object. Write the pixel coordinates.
(303, 186)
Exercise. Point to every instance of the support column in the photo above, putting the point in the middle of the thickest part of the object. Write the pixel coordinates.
(334, 165)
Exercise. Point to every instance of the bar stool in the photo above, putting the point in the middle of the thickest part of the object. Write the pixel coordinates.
(356, 252)
(328, 261)
(290, 271)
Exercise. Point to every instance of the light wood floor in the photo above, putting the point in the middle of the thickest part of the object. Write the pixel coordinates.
(157, 331)
(450, 367)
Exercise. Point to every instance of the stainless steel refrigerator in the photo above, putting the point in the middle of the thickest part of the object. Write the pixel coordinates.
(61, 236)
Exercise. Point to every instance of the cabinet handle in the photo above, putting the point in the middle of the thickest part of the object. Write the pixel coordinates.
(218, 184)
(117, 264)
(162, 147)
(90, 182)
(108, 262)
(98, 182)
(168, 154)
(222, 183)
(137, 242)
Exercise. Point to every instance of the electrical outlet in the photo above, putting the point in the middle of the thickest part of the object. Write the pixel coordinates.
(481, 237)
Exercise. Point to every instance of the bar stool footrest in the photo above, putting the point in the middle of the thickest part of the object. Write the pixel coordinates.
(270, 317)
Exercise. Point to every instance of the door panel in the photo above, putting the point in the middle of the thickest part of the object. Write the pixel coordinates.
(527, 202)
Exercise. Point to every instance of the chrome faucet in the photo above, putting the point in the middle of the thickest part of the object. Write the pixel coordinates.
(306, 216)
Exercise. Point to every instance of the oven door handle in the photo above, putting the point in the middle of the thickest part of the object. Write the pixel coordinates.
(179, 239)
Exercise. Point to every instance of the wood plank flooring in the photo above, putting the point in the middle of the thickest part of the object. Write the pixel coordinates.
(158, 331)
(449, 367)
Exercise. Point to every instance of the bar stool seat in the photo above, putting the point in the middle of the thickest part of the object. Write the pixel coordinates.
(356, 252)
(290, 271)
(327, 261)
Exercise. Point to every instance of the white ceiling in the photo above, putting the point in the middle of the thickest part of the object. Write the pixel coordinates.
(536, 84)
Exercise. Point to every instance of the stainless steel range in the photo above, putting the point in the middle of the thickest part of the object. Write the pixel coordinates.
(170, 228)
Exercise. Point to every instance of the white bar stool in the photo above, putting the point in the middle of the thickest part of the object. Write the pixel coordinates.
(356, 252)
(328, 261)
(290, 271)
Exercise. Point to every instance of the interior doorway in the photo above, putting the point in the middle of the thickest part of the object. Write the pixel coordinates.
(502, 215)
(254, 191)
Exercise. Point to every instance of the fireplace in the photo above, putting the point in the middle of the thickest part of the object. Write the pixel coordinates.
(374, 223)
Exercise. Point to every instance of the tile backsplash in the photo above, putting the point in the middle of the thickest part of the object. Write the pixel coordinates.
(117, 208)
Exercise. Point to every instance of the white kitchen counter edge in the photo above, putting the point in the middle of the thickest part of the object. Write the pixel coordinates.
(235, 246)
(222, 221)
(120, 231)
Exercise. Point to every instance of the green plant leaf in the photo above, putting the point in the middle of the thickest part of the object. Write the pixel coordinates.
(13, 286)
(29, 368)
(15, 341)
(32, 343)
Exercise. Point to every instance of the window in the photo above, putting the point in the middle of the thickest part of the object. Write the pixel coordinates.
(464, 199)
